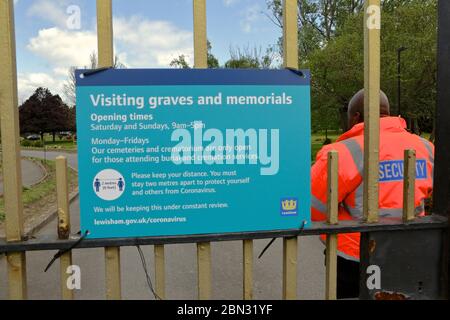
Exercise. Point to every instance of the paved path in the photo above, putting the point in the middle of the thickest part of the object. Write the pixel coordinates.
(51, 155)
(181, 272)
(31, 174)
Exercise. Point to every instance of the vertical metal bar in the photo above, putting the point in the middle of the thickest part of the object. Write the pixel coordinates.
(290, 34)
(332, 218)
(160, 271)
(200, 36)
(290, 52)
(106, 59)
(247, 246)
(105, 33)
(409, 179)
(201, 62)
(12, 181)
(441, 189)
(204, 270)
(62, 194)
(112, 263)
(372, 26)
(290, 268)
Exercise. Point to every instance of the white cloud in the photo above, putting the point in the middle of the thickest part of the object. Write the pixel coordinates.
(139, 43)
(63, 48)
(146, 43)
(250, 16)
(52, 11)
(229, 3)
(28, 83)
(60, 49)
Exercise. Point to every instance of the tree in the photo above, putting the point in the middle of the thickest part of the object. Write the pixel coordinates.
(250, 58)
(43, 113)
(338, 69)
(331, 45)
(239, 58)
(319, 21)
(69, 87)
(181, 62)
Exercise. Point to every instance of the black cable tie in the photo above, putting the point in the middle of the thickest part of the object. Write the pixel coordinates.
(296, 71)
(61, 252)
(94, 71)
(273, 240)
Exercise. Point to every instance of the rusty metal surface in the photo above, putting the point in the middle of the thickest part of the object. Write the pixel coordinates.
(409, 262)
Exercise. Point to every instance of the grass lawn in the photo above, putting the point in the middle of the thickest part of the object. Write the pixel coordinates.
(42, 189)
(317, 140)
(60, 144)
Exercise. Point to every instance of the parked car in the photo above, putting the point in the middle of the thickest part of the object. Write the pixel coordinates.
(34, 137)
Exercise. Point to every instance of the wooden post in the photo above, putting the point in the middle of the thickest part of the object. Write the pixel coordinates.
(372, 26)
(247, 248)
(160, 271)
(106, 59)
(201, 62)
(409, 179)
(290, 51)
(12, 181)
(332, 218)
(62, 194)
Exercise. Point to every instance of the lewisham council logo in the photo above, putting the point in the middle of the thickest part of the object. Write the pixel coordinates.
(289, 206)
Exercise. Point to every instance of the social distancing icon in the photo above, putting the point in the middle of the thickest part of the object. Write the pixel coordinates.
(109, 184)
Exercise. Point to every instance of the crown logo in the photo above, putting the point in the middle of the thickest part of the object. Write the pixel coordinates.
(289, 205)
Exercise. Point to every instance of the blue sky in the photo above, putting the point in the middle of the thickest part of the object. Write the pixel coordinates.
(146, 34)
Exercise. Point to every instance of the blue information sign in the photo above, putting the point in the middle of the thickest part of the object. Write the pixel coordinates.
(183, 152)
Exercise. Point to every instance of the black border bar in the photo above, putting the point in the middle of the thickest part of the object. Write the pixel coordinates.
(51, 242)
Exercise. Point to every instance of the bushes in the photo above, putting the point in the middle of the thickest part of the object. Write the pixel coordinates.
(35, 144)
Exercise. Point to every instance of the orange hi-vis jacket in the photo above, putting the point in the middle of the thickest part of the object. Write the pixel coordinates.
(394, 139)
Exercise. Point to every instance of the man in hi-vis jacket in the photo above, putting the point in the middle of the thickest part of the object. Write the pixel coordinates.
(394, 139)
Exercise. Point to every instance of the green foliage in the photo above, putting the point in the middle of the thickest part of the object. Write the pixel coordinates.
(26, 143)
(181, 63)
(338, 69)
(331, 44)
(44, 112)
(239, 58)
(250, 58)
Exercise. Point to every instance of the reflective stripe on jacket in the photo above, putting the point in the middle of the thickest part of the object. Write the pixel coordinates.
(394, 139)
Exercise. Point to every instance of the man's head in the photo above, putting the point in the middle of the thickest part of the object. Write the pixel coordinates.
(355, 112)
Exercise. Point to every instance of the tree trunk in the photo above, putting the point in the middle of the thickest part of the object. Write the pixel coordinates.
(54, 136)
(343, 119)
(433, 132)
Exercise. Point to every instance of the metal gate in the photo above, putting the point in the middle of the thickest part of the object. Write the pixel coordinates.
(431, 274)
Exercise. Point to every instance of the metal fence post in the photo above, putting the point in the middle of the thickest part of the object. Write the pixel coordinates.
(247, 248)
(160, 271)
(409, 179)
(441, 188)
(372, 27)
(201, 62)
(290, 51)
(106, 59)
(62, 194)
(11, 150)
(332, 218)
